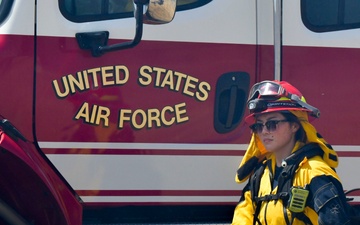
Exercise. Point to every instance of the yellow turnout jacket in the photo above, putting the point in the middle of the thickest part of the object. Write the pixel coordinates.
(326, 203)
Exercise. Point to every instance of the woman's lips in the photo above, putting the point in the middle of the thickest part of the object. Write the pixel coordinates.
(267, 140)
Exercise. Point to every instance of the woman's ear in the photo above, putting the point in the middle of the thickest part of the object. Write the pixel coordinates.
(295, 127)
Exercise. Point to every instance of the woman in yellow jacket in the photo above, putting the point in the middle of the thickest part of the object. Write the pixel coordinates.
(289, 167)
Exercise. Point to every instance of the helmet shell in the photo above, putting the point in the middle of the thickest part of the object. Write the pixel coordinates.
(250, 119)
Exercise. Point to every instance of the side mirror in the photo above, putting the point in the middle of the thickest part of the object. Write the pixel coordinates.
(158, 12)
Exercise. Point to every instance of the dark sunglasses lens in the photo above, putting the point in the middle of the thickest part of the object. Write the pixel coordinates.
(257, 127)
(271, 125)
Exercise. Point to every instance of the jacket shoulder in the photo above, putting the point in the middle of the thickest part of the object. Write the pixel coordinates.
(314, 167)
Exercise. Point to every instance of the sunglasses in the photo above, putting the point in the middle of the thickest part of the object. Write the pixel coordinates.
(270, 125)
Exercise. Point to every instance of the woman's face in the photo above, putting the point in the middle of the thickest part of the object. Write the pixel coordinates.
(281, 138)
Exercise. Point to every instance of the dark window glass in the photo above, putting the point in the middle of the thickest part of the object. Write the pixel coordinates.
(352, 12)
(95, 10)
(330, 15)
(5, 7)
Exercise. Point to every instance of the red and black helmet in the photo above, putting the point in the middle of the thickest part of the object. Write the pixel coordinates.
(271, 96)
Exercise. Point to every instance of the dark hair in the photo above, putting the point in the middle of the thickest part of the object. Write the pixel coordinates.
(300, 134)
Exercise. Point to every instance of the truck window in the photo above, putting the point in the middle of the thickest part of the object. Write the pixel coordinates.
(96, 10)
(330, 15)
(5, 7)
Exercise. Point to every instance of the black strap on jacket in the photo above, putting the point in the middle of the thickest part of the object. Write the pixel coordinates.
(285, 181)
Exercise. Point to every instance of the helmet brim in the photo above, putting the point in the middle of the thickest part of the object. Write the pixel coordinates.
(250, 119)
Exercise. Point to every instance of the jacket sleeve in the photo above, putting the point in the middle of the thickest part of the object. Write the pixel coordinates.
(328, 200)
(244, 211)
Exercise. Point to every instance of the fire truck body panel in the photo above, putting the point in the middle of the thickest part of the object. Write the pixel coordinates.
(32, 191)
(150, 157)
(149, 126)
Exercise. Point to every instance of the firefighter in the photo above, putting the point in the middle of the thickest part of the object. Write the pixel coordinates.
(290, 168)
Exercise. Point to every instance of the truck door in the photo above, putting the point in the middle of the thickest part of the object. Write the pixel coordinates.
(17, 48)
(150, 125)
(320, 51)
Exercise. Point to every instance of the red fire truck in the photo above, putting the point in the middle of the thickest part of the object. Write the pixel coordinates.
(110, 113)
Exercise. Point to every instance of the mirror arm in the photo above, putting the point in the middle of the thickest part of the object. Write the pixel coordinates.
(138, 34)
(97, 41)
